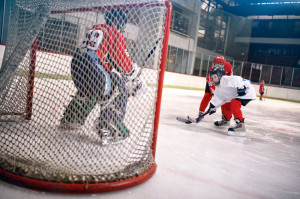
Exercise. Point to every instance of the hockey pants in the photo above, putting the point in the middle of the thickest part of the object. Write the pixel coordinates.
(232, 108)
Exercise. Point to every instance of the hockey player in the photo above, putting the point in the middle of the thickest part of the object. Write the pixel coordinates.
(210, 87)
(101, 71)
(235, 89)
(261, 89)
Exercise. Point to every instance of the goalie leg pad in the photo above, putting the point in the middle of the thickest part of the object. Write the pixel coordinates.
(112, 117)
(78, 110)
(89, 76)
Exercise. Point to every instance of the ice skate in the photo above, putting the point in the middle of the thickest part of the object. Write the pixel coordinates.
(223, 122)
(113, 134)
(239, 129)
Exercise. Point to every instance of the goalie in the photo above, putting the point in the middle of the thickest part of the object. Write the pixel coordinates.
(103, 71)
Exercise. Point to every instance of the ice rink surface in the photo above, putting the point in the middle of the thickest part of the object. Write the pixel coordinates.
(201, 161)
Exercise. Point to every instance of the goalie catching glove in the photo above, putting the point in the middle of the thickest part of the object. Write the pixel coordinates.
(135, 84)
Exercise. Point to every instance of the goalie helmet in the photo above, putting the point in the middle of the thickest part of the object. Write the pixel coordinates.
(219, 71)
(116, 19)
(218, 61)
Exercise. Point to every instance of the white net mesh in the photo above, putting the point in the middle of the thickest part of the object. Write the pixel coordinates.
(73, 108)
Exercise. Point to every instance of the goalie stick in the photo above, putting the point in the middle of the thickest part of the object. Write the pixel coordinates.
(111, 98)
(189, 120)
(148, 56)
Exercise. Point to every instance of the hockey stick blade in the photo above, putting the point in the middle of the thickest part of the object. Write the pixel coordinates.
(198, 119)
(192, 119)
(181, 119)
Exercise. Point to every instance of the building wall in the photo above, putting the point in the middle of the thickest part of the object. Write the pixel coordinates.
(187, 42)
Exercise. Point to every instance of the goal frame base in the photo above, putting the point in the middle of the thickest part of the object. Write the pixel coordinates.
(83, 188)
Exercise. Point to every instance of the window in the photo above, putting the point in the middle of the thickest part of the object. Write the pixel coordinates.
(212, 30)
(177, 60)
(181, 19)
(171, 58)
(58, 36)
(178, 63)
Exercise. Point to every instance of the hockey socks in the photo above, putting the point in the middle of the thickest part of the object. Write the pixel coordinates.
(205, 100)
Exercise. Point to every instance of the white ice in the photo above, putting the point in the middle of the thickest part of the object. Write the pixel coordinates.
(201, 161)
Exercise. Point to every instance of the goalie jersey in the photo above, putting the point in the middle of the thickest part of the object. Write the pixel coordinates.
(109, 46)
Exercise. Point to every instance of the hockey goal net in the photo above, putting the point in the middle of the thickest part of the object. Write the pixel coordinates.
(51, 128)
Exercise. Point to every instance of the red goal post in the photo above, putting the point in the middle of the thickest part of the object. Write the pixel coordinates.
(38, 86)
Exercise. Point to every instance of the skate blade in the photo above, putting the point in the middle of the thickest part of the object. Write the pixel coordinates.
(237, 134)
(108, 142)
(67, 128)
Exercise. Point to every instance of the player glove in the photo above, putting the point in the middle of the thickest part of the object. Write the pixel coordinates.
(241, 91)
(211, 109)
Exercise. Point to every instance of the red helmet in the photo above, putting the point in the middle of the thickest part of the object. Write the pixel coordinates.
(262, 81)
(219, 60)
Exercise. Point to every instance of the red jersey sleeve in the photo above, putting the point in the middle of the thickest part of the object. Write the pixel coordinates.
(118, 51)
(228, 69)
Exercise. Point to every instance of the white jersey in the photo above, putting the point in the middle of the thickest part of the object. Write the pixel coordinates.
(227, 89)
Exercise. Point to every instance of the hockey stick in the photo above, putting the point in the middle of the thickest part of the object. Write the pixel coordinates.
(199, 118)
(185, 120)
(107, 102)
(137, 76)
(190, 120)
(148, 56)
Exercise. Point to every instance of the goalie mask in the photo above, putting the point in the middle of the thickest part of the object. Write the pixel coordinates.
(116, 19)
(219, 71)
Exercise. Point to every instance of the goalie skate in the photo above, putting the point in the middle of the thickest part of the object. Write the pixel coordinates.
(114, 134)
(68, 126)
(111, 138)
